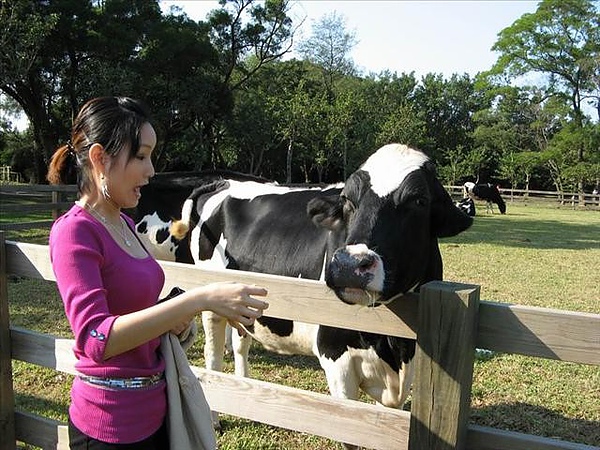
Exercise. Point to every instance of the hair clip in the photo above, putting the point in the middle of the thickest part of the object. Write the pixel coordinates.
(71, 149)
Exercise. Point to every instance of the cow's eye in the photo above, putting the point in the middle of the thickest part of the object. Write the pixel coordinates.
(420, 202)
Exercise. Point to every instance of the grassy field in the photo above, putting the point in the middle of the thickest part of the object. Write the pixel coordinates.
(533, 255)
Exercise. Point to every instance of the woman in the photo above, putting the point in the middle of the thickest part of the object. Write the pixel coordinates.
(110, 284)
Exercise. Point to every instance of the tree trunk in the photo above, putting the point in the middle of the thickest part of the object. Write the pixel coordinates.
(345, 159)
(288, 162)
(46, 142)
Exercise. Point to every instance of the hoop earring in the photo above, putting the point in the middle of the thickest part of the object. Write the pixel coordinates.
(104, 187)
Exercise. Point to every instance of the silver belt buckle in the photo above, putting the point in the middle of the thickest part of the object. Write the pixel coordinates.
(123, 383)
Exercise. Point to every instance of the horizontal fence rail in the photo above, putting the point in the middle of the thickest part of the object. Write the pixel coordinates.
(37, 198)
(525, 330)
(530, 195)
(546, 333)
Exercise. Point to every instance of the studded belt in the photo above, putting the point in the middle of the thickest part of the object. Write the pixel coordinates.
(123, 383)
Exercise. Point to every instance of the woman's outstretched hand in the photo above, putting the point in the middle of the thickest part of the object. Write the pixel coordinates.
(235, 302)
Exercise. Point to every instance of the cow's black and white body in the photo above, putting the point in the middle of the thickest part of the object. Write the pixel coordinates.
(160, 206)
(487, 192)
(370, 239)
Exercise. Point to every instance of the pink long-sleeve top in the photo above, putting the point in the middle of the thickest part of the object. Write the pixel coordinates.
(99, 281)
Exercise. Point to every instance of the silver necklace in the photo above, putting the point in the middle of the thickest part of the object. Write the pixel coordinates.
(105, 221)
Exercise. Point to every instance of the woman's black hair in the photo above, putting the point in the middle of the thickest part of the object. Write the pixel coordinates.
(113, 122)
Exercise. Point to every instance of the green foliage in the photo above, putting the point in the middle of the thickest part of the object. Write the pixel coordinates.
(446, 107)
(560, 41)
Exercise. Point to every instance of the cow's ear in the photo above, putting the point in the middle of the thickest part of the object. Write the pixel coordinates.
(326, 212)
(446, 218)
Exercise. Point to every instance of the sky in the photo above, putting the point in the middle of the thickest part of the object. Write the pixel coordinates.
(444, 36)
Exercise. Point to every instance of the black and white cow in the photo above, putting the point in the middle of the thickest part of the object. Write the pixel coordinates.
(370, 239)
(160, 205)
(487, 192)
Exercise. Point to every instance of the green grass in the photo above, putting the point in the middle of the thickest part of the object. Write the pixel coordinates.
(533, 255)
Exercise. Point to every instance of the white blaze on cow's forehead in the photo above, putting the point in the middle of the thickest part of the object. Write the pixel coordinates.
(357, 249)
(390, 165)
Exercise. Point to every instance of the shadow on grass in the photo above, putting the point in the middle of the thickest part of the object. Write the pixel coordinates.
(41, 406)
(513, 231)
(259, 355)
(537, 420)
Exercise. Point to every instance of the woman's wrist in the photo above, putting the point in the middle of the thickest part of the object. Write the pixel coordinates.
(200, 299)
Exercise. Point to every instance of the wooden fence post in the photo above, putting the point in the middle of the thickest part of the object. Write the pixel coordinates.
(56, 198)
(7, 400)
(444, 366)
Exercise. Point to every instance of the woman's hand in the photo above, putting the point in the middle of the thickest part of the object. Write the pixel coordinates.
(235, 302)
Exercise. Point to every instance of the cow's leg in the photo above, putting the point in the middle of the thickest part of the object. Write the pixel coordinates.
(215, 332)
(214, 340)
(241, 347)
(228, 340)
(342, 379)
(343, 382)
(214, 343)
(407, 373)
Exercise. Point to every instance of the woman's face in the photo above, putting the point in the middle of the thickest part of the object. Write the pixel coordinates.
(126, 176)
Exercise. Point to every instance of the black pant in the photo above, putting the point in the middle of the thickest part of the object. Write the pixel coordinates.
(79, 441)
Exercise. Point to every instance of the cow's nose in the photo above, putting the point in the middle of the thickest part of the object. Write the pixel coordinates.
(351, 269)
(364, 262)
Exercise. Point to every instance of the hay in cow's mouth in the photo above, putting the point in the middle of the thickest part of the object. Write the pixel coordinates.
(357, 296)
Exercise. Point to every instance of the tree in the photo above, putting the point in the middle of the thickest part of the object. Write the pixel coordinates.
(23, 36)
(247, 36)
(561, 42)
(519, 166)
(329, 47)
(457, 166)
(446, 108)
(178, 75)
(47, 47)
(561, 154)
(302, 115)
(244, 28)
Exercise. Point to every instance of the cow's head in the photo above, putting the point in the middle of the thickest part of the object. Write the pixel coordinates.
(384, 227)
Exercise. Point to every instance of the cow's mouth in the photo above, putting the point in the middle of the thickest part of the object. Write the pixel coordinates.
(357, 296)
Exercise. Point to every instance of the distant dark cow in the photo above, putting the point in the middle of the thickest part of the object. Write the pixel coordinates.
(375, 237)
(487, 192)
(467, 205)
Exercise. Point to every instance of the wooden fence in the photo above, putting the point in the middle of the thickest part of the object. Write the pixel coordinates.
(442, 315)
(574, 199)
(8, 176)
(24, 199)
